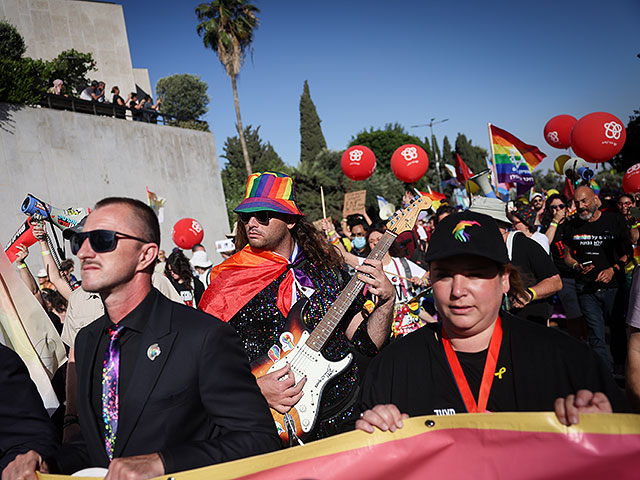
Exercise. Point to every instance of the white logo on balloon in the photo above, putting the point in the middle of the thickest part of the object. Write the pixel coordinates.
(553, 137)
(196, 227)
(355, 155)
(410, 154)
(612, 130)
(633, 168)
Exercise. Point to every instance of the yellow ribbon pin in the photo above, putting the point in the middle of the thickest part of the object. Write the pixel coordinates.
(500, 372)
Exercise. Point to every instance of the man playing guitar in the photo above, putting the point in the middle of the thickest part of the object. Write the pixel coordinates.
(281, 259)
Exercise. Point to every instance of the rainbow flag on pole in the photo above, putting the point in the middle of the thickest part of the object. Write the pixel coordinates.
(513, 159)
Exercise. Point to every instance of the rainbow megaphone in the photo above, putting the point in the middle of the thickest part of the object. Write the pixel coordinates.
(61, 218)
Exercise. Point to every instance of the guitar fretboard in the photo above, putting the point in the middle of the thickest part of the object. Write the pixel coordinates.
(330, 321)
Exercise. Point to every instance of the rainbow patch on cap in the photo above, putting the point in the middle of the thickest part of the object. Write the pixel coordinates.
(459, 233)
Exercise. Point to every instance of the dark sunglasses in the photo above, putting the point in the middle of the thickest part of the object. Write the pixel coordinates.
(558, 207)
(101, 241)
(262, 216)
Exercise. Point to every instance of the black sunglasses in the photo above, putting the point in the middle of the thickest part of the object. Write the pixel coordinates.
(262, 216)
(101, 241)
(556, 207)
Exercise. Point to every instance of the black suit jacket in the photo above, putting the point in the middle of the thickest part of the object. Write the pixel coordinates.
(24, 423)
(196, 403)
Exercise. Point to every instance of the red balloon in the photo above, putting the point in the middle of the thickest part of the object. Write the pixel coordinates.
(187, 233)
(557, 131)
(631, 179)
(409, 163)
(358, 162)
(598, 137)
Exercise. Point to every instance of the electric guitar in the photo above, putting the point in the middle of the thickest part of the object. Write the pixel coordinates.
(302, 349)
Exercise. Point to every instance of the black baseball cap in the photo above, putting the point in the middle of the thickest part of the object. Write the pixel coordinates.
(467, 233)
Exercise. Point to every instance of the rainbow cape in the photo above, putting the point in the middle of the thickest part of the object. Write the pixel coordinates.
(239, 278)
(514, 159)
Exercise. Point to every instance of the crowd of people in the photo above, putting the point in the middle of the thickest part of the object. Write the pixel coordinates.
(303, 333)
(142, 109)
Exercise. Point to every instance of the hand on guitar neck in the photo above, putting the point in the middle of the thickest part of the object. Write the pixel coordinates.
(280, 389)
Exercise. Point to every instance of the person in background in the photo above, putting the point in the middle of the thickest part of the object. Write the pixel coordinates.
(118, 101)
(66, 271)
(57, 88)
(178, 271)
(56, 307)
(599, 248)
(43, 280)
(358, 227)
(202, 265)
(90, 93)
(537, 202)
(161, 261)
(554, 221)
(523, 218)
(633, 344)
(625, 203)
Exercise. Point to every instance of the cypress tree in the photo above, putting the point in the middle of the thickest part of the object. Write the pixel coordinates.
(311, 138)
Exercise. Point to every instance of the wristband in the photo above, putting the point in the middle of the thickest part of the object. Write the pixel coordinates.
(331, 233)
(335, 241)
(21, 265)
(554, 224)
(533, 293)
(636, 225)
(575, 265)
(46, 252)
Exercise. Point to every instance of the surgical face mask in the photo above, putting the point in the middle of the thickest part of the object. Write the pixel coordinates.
(358, 243)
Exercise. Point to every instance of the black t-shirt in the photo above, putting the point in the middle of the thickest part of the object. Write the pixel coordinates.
(558, 249)
(534, 265)
(540, 364)
(603, 242)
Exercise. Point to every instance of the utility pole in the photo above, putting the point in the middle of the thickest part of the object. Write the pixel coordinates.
(431, 123)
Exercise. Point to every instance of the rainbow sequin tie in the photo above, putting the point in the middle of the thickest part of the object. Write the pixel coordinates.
(110, 394)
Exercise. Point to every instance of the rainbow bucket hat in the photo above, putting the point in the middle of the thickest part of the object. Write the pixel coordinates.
(270, 191)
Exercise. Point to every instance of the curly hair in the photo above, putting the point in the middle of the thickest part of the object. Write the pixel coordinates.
(55, 299)
(547, 216)
(311, 241)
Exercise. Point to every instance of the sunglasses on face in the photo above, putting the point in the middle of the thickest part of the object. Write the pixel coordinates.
(262, 216)
(558, 207)
(101, 241)
(626, 204)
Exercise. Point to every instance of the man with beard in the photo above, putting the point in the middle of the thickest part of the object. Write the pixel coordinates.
(598, 250)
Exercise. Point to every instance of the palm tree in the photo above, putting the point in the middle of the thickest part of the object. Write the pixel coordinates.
(227, 27)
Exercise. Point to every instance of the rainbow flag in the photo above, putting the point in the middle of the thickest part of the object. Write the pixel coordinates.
(514, 159)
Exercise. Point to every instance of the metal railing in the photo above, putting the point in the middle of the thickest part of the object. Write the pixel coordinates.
(60, 102)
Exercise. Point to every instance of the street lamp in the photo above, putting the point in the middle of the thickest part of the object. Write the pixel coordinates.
(431, 123)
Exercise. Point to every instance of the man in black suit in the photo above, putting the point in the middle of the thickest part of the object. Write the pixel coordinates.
(24, 423)
(185, 397)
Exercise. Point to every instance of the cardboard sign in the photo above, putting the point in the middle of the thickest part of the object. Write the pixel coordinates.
(318, 224)
(354, 202)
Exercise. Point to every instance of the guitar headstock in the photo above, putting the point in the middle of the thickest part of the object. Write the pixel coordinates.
(404, 219)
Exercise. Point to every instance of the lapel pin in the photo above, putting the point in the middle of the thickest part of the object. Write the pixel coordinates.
(153, 351)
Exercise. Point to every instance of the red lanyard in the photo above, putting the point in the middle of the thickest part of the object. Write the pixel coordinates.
(487, 375)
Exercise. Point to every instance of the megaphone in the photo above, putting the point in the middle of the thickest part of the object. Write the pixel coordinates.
(480, 184)
(578, 169)
(61, 218)
(24, 236)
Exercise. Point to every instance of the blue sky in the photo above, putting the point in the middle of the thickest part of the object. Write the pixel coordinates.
(368, 63)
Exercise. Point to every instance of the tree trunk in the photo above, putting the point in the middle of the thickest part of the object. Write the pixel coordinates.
(243, 143)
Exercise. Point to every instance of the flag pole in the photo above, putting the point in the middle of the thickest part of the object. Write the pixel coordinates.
(493, 158)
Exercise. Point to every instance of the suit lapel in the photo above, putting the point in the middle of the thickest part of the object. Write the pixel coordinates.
(146, 372)
(94, 437)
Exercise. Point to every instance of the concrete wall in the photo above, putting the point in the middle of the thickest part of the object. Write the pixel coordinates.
(72, 159)
(51, 26)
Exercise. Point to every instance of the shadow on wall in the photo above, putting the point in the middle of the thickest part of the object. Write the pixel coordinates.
(6, 116)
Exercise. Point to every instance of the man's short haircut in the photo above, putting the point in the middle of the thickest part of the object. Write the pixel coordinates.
(357, 219)
(442, 210)
(66, 265)
(142, 211)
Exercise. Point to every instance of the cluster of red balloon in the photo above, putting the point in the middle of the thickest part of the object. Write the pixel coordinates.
(186, 233)
(596, 137)
(408, 163)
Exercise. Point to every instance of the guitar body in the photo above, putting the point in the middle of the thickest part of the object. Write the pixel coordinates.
(302, 418)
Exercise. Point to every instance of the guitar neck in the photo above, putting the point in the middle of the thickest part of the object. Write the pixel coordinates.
(332, 318)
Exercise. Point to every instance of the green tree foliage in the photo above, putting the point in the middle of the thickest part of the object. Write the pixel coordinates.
(311, 138)
(609, 180)
(548, 180)
(72, 68)
(630, 154)
(12, 45)
(184, 96)
(448, 155)
(262, 156)
(227, 27)
(475, 157)
(21, 81)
